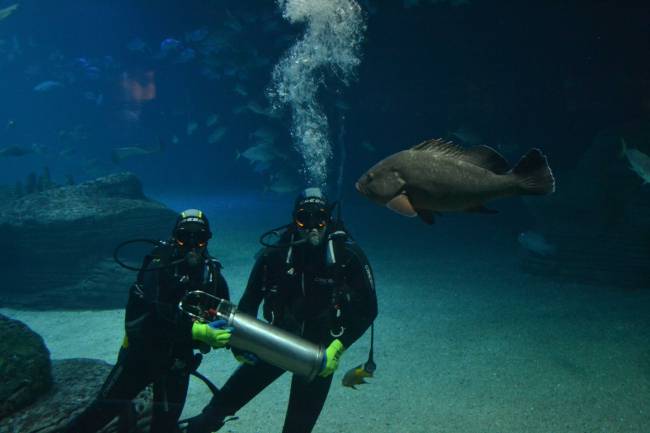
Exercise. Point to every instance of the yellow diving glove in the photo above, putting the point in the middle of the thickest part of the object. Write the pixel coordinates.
(332, 356)
(211, 333)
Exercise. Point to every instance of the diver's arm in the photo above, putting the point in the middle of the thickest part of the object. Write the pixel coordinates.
(141, 316)
(252, 297)
(362, 309)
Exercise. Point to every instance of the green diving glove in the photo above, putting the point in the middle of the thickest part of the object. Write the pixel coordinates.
(332, 356)
(211, 333)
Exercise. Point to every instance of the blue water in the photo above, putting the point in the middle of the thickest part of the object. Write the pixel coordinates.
(469, 339)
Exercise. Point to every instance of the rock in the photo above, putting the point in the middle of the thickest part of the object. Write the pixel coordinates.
(61, 241)
(24, 366)
(76, 384)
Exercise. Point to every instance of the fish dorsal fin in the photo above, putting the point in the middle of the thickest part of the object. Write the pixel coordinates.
(488, 158)
(481, 156)
(440, 147)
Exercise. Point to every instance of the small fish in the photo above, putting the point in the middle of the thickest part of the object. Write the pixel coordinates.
(92, 73)
(264, 135)
(282, 182)
(187, 55)
(39, 149)
(233, 23)
(217, 135)
(262, 153)
(261, 167)
(47, 86)
(240, 90)
(467, 136)
(81, 62)
(536, 243)
(211, 120)
(121, 153)
(67, 151)
(191, 127)
(136, 44)
(197, 35)
(92, 97)
(256, 108)
(170, 45)
(358, 374)
(639, 161)
(14, 151)
(342, 105)
(368, 146)
(4, 13)
(438, 176)
(355, 376)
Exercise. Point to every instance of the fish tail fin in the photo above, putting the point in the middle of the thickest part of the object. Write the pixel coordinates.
(621, 154)
(533, 174)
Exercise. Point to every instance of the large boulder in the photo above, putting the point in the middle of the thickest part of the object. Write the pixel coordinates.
(24, 366)
(58, 243)
(76, 384)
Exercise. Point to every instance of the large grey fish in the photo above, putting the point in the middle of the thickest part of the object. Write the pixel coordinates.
(438, 176)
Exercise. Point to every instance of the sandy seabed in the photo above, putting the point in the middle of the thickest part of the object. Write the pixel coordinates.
(465, 341)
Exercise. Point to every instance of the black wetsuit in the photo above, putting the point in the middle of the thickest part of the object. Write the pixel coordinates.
(158, 347)
(305, 293)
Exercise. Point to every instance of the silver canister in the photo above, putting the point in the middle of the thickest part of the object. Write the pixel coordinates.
(269, 343)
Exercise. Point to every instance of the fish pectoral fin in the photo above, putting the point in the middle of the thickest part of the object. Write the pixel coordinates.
(402, 205)
(481, 209)
(427, 216)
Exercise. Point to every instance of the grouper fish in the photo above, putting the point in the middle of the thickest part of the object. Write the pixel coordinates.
(439, 176)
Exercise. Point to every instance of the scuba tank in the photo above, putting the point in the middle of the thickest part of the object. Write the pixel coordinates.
(269, 343)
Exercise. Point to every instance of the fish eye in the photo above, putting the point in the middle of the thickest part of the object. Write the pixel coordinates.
(370, 176)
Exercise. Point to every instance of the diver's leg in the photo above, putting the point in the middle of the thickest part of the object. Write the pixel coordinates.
(305, 403)
(127, 378)
(244, 384)
(169, 394)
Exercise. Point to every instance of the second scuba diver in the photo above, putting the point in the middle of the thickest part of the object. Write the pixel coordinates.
(160, 340)
(315, 282)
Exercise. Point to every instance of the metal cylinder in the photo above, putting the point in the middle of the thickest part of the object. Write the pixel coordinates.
(272, 344)
(269, 343)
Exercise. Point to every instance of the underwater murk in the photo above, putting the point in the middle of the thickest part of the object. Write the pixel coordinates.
(258, 216)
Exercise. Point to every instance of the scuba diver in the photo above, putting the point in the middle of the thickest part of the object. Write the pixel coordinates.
(160, 340)
(314, 282)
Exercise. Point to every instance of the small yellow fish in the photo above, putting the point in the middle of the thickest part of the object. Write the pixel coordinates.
(4, 13)
(356, 376)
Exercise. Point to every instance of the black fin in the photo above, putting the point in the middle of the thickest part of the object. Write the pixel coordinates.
(481, 209)
(426, 216)
(481, 156)
(487, 158)
(534, 173)
(438, 145)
